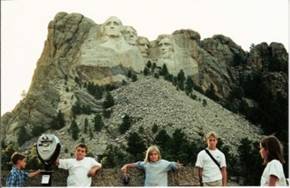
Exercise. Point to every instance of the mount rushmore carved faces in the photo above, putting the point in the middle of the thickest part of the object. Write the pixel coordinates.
(130, 35)
(112, 27)
(143, 45)
(166, 47)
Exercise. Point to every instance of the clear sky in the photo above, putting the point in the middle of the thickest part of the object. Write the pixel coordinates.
(24, 27)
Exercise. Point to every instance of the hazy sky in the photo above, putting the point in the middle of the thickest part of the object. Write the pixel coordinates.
(24, 27)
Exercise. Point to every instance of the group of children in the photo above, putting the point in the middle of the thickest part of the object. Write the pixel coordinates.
(211, 165)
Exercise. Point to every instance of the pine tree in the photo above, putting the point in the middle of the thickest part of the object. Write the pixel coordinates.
(109, 101)
(146, 71)
(210, 93)
(37, 130)
(188, 85)
(164, 71)
(76, 108)
(125, 125)
(22, 135)
(154, 128)
(91, 134)
(149, 64)
(180, 80)
(129, 74)
(86, 109)
(99, 124)
(163, 140)
(58, 122)
(141, 130)
(77, 80)
(204, 103)
(107, 113)
(74, 130)
(136, 146)
(95, 90)
(134, 78)
(99, 92)
(86, 125)
(153, 67)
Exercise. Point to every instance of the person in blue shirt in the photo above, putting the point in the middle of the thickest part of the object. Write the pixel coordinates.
(155, 168)
(17, 176)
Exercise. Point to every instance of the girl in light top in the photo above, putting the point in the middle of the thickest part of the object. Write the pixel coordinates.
(271, 151)
(155, 168)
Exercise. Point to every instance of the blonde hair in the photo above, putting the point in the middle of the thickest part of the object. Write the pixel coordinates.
(211, 134)
(150, 150)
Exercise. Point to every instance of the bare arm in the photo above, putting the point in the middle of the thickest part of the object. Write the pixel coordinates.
(35, 173)
(200, 175)
(93, 171)
(224, 176)
(273, 180)
(126, 166)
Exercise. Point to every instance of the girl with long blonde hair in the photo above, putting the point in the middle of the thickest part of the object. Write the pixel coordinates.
(155, 168)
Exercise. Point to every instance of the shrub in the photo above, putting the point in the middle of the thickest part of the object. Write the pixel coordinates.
(113, 157)
(250, 162)
(125, 125)
(99, 124)
(58, 122)
(37, 130)
(146, 71)
(204, 103)
(107, 113)
(136, 146)
(109, 101)
(22, 135)
(134, 78)
(74, 130)
(154, 128)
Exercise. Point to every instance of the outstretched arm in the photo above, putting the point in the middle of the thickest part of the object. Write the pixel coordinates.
(127, 166)
(35, 173)
(93, 171)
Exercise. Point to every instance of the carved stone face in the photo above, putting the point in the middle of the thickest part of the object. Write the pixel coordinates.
(166, 47)
(143, 45)
(113, 27)
(130, 35)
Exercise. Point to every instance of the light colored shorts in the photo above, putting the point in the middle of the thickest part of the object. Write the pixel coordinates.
(213, 183)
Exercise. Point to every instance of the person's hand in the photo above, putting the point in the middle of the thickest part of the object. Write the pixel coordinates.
(37, 172)
(179, 165)
(124, 169)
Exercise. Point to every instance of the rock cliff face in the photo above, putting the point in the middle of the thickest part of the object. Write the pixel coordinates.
(78, 51)
(66, 34)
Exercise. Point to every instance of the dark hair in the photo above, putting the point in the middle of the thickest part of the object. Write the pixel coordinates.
(274, 148)
(16, 157)
(82, 146)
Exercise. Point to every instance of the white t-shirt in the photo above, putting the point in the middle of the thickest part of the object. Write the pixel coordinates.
(78, 171)
(210, 171)
(274, 168)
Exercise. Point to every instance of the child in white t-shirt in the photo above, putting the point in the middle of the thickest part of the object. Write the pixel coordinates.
(155, 168)
(272, 153)
(210, 173)
(81, 168)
